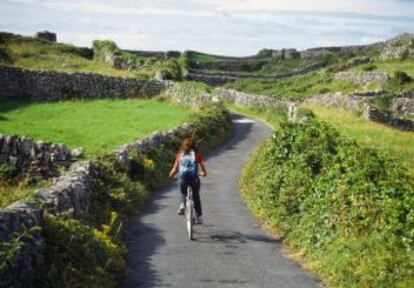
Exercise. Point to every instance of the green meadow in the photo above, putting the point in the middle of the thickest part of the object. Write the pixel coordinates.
(98, 126)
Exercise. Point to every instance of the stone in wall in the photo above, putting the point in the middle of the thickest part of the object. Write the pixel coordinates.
(363, 77)
(17, 83)
(46, 36)
(33, 157)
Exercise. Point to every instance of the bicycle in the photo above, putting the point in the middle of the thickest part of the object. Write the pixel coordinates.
(190, 212)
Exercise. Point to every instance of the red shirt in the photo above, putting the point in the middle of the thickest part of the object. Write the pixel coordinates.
(198, 157)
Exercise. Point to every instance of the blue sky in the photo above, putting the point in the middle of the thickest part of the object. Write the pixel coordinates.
(228, 27)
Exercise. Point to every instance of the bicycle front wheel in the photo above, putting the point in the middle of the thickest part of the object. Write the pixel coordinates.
(189, 216)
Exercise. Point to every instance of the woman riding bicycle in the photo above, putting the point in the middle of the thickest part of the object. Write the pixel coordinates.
(188, 163)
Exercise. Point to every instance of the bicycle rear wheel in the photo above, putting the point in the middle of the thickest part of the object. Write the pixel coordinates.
(189, 214)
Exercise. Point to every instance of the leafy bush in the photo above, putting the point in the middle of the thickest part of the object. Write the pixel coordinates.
(101, 46)
(402, 77)
(7, 171)
(78, 255)
(10, 250)
(383, 102)
(348, 208)
(190, 93)
(171, 70)
(5, 55)
(211, 126)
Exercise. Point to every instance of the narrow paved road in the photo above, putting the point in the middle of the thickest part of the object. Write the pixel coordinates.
(230, 248)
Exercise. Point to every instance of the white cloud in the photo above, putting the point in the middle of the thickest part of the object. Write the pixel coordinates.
(224, 27)
(351, 6)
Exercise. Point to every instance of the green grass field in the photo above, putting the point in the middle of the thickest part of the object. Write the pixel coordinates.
(295, 87)
(397, 143)
(26, 52)
(44, 56)
(98, 126)
(391, 66)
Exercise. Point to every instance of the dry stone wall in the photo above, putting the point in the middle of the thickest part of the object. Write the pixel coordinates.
(222, 77)
(17, 83)
(70, 193)
(363, 77)
(245, 99)
(33, 157)
(401, 105)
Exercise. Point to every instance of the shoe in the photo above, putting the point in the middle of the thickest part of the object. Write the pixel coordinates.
(181, 210)
(199, 220)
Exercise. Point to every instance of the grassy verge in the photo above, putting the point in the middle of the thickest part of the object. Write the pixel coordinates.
(346, 208)
(397, 143)
(98, 126)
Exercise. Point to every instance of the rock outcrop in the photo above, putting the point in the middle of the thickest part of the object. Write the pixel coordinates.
(400, 47)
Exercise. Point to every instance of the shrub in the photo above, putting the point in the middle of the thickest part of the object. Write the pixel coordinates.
(104, 45)
(369, 67)
(170, 70)
(347, 207)
(8, 171)
(5, 55)
(383, 102)
(78, 255)
(191, 93)
(401, 77)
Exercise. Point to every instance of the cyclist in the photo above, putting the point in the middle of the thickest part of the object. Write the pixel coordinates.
(189, 165)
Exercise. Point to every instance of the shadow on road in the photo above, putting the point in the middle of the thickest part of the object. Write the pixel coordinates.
(143, 239)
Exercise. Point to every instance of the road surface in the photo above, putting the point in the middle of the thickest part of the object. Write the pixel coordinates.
(230, 250)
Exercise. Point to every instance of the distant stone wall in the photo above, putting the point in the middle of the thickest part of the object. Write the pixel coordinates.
(388, 119)
(156, 54)
(245, 99)
(319, 51)
(218, 78)
(17, 83)
(34, 158)
(363, 77)
(402, 105)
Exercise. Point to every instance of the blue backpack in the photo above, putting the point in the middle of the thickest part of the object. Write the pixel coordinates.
(188, 165)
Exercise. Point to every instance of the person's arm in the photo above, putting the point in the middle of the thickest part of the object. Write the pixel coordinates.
(202, 169)
(174, 170)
